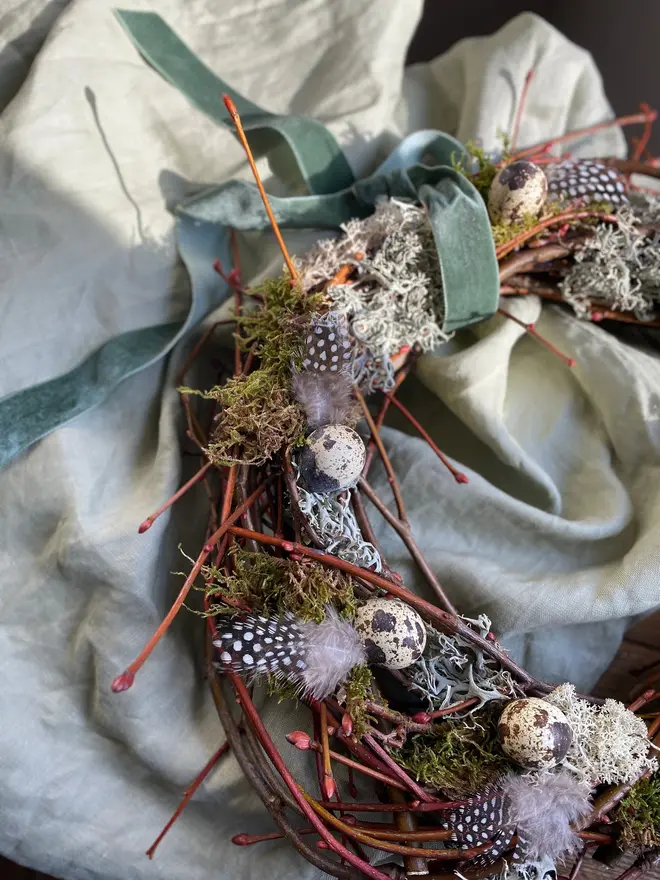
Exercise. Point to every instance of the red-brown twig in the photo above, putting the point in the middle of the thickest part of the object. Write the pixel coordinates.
(391, 476)
(445, 621)
(188, 795)
(521, 106)
(459, 476)
(302, 798)
(404, 531)
(546, 146)
(124, 681)
(530, 328)
(150, 520)
(304, 742)
(566, 217)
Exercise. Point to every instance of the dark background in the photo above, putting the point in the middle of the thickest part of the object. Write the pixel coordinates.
(622, 35)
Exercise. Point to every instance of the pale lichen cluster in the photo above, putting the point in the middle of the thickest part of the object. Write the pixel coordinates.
(393, 298)
(619, 267)
(610, 744)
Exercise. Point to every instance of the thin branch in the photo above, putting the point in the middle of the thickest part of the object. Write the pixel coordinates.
(404, 532)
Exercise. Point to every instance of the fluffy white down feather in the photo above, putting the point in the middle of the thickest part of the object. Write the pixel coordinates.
(332, 649)
(543, 809)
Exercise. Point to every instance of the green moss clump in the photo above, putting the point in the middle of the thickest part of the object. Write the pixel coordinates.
(273, 586)
(638, 814)
(461, 759)
(274, 329)
(479, 168)
(358, 694)
(257, 418)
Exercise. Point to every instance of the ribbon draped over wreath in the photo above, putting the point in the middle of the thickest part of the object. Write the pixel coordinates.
(420, 168)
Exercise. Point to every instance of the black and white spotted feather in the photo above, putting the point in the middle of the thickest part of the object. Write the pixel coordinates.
(315, 657)
(584, 181)
(323, 387)
(477, 822)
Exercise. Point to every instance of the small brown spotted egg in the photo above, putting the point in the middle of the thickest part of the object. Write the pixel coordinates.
(534, 733)
(392, 632)
(518, 190)
(332, 459)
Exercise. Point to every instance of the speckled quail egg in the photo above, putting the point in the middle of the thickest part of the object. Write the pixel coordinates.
(332, 459)
(517, 190)
(393, 633)
(534, 734)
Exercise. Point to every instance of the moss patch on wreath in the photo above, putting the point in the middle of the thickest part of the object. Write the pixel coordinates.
(459, 758)
(638, 814)
(271, 585)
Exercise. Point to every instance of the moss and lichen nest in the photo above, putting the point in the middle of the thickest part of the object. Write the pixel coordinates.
(270, 585)
(459, 758)
(638, 814)
(257, 414)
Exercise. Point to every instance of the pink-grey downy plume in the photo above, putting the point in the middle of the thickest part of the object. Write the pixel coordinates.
(315, 657)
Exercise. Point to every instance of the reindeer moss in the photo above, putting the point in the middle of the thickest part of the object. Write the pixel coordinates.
(257, 418)
(273, 586)
(638, 814)
(461, 759)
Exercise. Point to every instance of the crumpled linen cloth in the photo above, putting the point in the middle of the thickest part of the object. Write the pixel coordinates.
(555, 537)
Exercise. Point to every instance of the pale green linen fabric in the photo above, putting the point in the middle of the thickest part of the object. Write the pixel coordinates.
(557, 529)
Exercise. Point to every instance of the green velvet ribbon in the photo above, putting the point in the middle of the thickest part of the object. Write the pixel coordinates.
(420, 169)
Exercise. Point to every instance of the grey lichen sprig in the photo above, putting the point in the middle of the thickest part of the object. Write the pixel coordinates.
(610, 744)
(333, 520)
(619, 266)
(452, 671)
(394, 299)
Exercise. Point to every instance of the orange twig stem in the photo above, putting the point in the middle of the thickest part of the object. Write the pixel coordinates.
(233, 112)
(329, 785)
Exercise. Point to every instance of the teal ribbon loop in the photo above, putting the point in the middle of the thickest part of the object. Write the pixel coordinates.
(420, 169)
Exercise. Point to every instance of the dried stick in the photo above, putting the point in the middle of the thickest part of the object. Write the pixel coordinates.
(378, 843)
(546, 146)
(124, 681)
(531, 329)
(375, 436)
(302, 798)
(233, 112)
(566, 217)
(269, 797)
(443, 620)
(404, 532)
(304, 742)
(150, 520)
(188, 795)
(329, 787)
(521, 106)
(457, 475)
